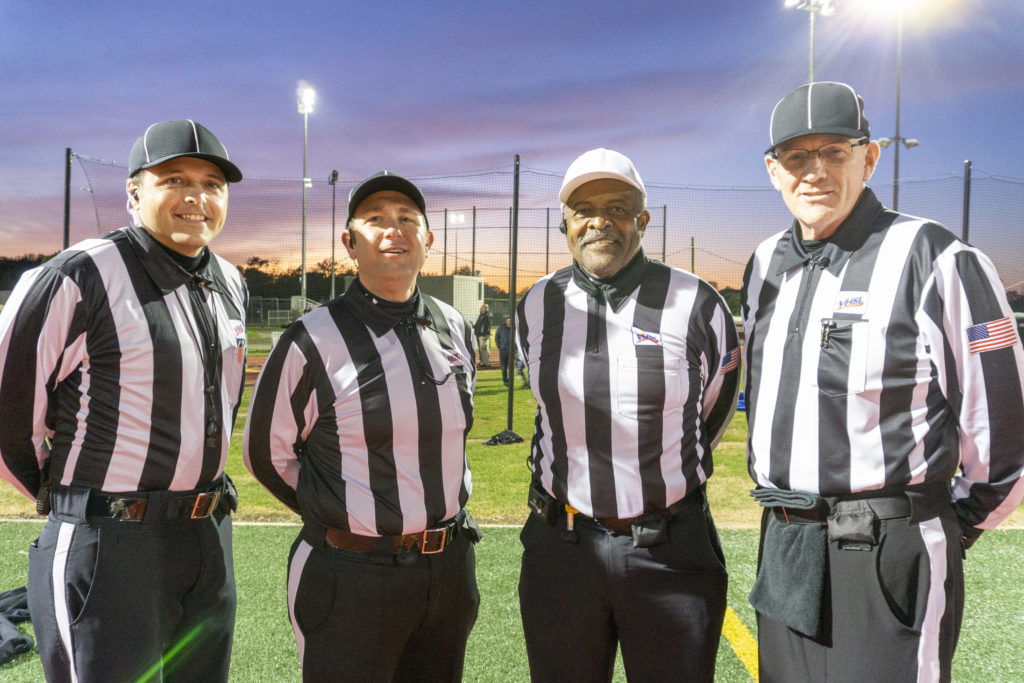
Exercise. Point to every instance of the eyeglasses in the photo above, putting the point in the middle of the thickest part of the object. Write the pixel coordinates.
(616, 214)
(834, 154)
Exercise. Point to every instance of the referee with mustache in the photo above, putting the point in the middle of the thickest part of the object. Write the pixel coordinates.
(635, 368)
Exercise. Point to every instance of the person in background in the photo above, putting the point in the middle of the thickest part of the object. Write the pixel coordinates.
(482, 329)
(507, 352)
(884, 398)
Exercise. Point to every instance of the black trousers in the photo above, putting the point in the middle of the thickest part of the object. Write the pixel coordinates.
(122, 601)
(505, 373)
(892, 611)
(663, 605)
(363, 617)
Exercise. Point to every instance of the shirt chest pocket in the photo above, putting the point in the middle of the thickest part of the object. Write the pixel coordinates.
(843, 358)
(648, 387)
(450, 397)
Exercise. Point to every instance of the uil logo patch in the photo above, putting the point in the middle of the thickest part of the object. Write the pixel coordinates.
(852, 303)
(642, 338)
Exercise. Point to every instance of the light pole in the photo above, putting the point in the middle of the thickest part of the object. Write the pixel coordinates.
(456, 219)
(885, 142)
(823, 7)
(333, 180)
(307, 98)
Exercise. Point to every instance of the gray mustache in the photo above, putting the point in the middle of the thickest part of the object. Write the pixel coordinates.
(592, 235)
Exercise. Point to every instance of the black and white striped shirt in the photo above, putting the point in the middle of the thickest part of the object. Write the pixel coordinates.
(886, 359)
(636, 379)
(101, 354)
(359, 417)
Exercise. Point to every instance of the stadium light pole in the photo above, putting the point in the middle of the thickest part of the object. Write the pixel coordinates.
(307, 98)
(814, 7)
(884, 142)
(897, 139)
(456, 219)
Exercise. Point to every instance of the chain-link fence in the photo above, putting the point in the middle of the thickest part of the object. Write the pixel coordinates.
(710, 231)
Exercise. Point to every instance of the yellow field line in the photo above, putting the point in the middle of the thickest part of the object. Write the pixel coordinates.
(743, 644)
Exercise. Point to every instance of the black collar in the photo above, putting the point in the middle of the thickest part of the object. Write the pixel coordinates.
(163, 269)
(366, 307)
(848, 238)
(617, 288)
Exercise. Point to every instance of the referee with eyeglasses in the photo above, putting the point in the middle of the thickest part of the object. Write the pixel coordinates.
(885, 398)
(635, 368)
(358, 423)
(122, 362)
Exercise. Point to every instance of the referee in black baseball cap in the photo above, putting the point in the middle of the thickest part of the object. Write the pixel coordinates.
(122, 362)
(358, 423)
(884, 399)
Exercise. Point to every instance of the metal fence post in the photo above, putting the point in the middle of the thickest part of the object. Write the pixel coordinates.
(67, 197)
(965, 228)
(547, 240)
(444, 251)
(664, 230)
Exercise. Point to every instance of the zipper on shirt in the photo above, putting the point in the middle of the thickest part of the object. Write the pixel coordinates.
(810, 283)
(206, 342)
(595, 318)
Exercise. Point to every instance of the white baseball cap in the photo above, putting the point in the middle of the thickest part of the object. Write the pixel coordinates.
(597, 164)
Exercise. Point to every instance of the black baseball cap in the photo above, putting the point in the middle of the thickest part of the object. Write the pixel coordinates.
(824, 107)
(181, 138)
(381, 182)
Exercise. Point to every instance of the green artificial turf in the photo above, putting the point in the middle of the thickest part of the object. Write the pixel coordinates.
(264, 648)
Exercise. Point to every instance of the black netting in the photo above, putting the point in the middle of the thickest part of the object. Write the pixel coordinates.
(711, 231)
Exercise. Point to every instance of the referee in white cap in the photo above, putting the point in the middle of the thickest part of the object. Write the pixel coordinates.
(122, 363)
(635, 368)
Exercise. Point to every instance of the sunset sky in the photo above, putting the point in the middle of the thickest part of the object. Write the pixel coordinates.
(424, 88)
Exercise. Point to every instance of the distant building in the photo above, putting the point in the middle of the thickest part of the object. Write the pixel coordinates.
(463, 292)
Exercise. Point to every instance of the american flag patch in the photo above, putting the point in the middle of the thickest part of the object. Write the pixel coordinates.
(730, 361)
(992, 335)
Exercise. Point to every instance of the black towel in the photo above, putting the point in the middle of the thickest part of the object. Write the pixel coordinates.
(792, 575)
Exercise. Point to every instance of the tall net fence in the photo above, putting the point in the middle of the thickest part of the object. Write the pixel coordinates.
(710, 231)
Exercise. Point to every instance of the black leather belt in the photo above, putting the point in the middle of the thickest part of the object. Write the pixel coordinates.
(624, 525)
(137, 508)
(919, 502)
(426, 542)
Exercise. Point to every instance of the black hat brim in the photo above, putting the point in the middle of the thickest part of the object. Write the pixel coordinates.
(384, 182)
(231, 172)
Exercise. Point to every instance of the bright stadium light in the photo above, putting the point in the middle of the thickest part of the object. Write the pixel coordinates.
(907, 142)
(813, 7)
(307, 98)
